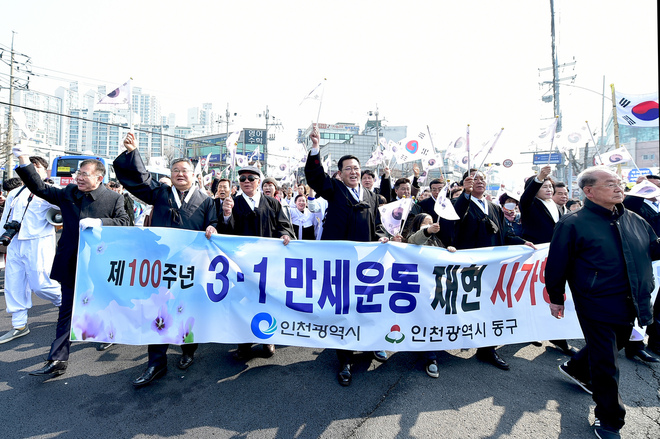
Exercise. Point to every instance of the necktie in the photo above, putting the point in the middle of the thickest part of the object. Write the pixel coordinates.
(252, 203)
(355, 191)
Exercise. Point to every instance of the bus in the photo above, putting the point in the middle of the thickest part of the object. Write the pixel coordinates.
(64, 167)
(157, 172)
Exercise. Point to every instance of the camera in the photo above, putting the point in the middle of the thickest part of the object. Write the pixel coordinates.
(11, 229)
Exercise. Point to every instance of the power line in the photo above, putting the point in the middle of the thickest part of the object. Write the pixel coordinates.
(119, 126)
(102, 123)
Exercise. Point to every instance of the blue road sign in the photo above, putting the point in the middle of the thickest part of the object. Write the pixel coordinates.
(542, 159)
(635, 173)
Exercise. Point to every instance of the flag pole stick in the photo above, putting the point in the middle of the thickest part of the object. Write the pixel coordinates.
(318, 115)
(435, 153)
(404, 218)
(467, 140)
(592, 139)
(552, 139)
(614, 119)
(632, 159)
(490, 149)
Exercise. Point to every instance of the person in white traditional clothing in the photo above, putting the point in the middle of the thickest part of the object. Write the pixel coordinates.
(305, 223)
(30, 254)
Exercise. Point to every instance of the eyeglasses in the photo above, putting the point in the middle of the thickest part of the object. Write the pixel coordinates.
(610, 185)
(80, 174)
(350, 169)
(181, 171)
(249, 178)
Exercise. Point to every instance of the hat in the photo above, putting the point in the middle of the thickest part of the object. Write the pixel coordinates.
(509, 194)
(250, 170)
(269, 180)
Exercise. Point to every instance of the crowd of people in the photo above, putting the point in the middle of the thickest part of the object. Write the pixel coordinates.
(601, 249)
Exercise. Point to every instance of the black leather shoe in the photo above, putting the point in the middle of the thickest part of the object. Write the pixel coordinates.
(151, 373)
(103, 346)
(492, 357)
(269, 350)
(641, 354)
(185, 361)
(344, 377)
(52, 367)
(242, 353)
(654, 348)
(563, 346)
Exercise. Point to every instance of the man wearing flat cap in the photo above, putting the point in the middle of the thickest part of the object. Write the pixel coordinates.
(254, 214)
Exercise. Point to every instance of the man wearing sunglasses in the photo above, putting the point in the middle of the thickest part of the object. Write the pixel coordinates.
(181, 206)
(253, 213)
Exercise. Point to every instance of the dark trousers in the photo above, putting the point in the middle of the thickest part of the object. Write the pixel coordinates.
(344, 357)
(599, 359)
(59, 350)
(158, 353)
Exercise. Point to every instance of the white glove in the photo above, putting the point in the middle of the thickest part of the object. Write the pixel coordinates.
(313, 206)
(19, 150)
(90, 222)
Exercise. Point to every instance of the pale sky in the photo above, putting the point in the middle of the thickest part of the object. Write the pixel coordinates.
(440, 63)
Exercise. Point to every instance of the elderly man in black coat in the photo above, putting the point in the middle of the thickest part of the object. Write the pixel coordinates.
(181, 206)
(604, 252)
(87, 203)
(481, 224)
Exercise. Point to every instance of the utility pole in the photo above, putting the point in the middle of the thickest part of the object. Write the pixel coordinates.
(268, 125)
(555, 68)
(226, 121)
(556, 80)
(376, 113)
(9, 165)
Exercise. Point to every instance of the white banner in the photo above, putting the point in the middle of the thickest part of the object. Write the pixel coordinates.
(159, 285)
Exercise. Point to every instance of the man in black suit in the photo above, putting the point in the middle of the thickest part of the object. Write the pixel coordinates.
(87, 203)
(352, 215)
(181, 206)
(254, 214)
(481, 224)
(560, 196)
(222, 191)
(649, 209)
(402, 189)
(446, 233)
(368, 178)
(388, 191)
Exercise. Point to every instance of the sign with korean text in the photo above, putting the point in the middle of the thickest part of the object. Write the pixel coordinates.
(158, 285)
(254, 136)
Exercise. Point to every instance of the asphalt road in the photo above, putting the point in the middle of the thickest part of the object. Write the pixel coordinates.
(295, 394)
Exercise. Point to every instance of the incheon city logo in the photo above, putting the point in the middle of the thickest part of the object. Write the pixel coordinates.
(395, 335)
(256, 325)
